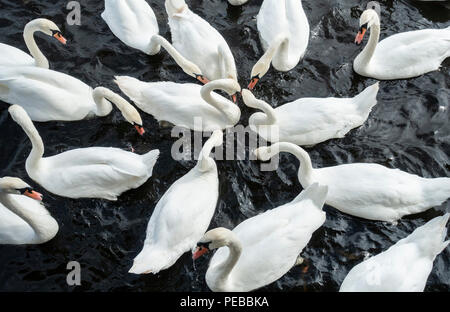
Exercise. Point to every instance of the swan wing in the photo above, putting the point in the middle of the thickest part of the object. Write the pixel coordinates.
(46, 94)
(132, 21)
(11, 56)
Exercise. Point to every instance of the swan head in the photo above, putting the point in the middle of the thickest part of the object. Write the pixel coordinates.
(175, 7)
(264, 153)
(16, 186)
(369, 18)
(213, 239)
(128, 111)
(20, 116)
(249, 98)
(258, 71)
(47, 27)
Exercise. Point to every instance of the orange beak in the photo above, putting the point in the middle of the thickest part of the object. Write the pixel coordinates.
(253, 83)
(202, 79)
(33, 194)
(360, 35)
(140, 129)
(200, 251)
(60, 38)
(234, 97)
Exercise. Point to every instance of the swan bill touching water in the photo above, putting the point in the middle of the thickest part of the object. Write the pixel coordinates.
(405, 266)
(284, 33)
(182, 215)
(10, 55)
(180, 104)
(135, 24)
(309, 121)
(365, 190)
(23, 218)
(400, 56)
(263, 248)
(94, 172)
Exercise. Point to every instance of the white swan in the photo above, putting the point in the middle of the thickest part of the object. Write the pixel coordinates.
(10, 55)
(23, 220)
(309, 121)
(135, 24)
(262, 249)
(237, 2)
(49, 95)
(199, 42)
(182, 215)
(180, 104)
(405, 266)
(404, 55)
(284, 33)
(94, 172)
(369, 191)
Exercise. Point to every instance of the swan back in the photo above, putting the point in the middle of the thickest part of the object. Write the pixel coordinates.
(132, 21)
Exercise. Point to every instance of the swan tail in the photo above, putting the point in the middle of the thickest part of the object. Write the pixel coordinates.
(316, 193)
(367, 99)
(430, 237)
(151, 260)
(129, 86)
(150, 160)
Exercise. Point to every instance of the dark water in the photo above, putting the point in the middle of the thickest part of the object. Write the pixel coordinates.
(408, 129)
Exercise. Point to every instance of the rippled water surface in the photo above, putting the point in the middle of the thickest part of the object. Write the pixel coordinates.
(408, 129)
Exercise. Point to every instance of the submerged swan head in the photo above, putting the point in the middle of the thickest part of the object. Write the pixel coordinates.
(16, 186)
(47, 27)
(214, 239)
(175, 6)
(128, 111)
(369, 18)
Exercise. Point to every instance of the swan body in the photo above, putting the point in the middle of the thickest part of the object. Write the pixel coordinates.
(135, 24)
(199, 42)
(284, 33)
(368, 191)
(262, 249)
(95, 172)
(11, 56)
(405, 266)
(23, 219)
(182, 215)
(180, 104)
(49, 95)
(404, 55)
(309, 121)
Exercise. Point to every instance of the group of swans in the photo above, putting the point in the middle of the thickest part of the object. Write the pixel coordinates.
(242, 262)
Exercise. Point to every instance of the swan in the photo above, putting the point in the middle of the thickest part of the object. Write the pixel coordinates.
(180, 104)
(23, 219)
(199, 42)
(10, 55)
(49, 95)
(262, 249)
(404, 55)
(182, 215)
(368, 191)
(405, 266)
(309, 121)
(237, 2)
(284, 33)
(94, 172)
(135, 24)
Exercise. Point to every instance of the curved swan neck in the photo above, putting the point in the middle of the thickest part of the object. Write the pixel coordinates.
(156, 42)
(270, 117)
(224, 269)
(220, 104)
(28, 35)
(100, 95)
(281, 43)
(25, 214)
(374, 37)
(37, 150)
(305, 171)
(205, 162)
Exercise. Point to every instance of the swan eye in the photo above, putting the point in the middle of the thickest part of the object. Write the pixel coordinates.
(24, 190)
